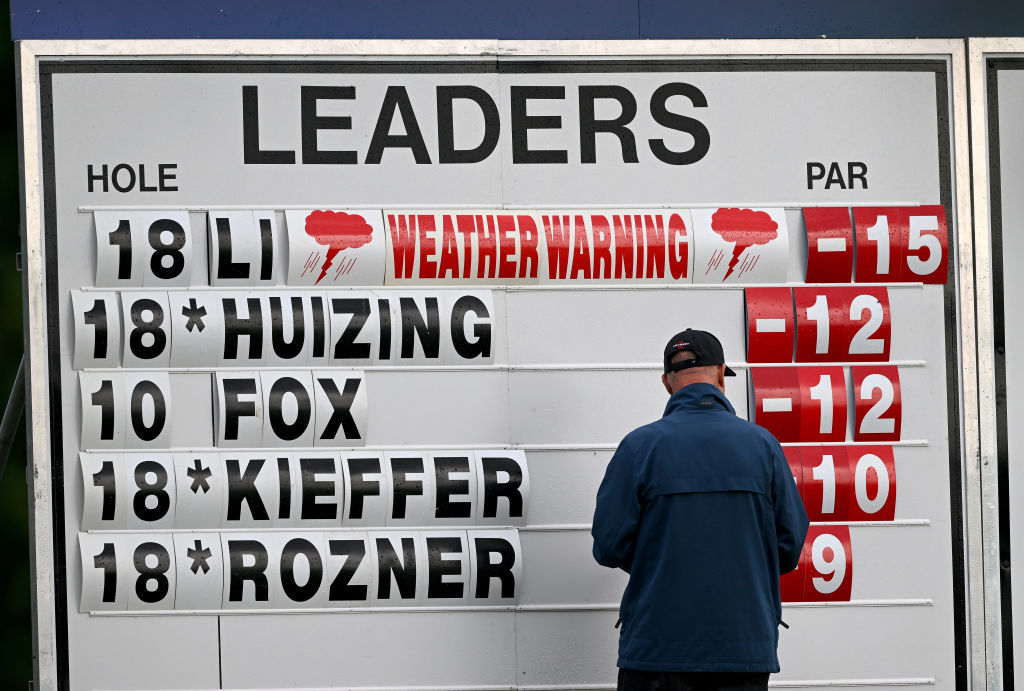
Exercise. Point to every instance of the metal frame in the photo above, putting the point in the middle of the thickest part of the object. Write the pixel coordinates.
(979, 52)
(980, 631)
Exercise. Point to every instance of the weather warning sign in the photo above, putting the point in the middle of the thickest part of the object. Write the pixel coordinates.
(738, 245)
(336, 231)
(327, 247)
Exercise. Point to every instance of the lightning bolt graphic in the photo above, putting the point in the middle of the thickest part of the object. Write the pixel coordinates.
(736, 252)
(331, 253)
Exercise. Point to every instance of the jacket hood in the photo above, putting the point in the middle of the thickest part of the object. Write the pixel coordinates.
(698, 397)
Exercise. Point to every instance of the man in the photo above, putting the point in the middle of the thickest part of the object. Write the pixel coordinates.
(700, 509)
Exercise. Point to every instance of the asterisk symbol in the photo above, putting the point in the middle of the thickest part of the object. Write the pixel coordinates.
(199, 555)
(195, 313)
(200, 474)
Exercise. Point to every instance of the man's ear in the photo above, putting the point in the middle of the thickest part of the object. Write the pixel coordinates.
(664, 380)
(721, 377)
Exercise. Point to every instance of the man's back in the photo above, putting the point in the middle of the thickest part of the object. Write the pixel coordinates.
(701, 509)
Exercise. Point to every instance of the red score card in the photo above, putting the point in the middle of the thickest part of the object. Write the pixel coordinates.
(878, 403)
(828, 571)
(901, 244)
(769, 325)
(829, 245)
(827, 483)
(822, 404)
(847, 323)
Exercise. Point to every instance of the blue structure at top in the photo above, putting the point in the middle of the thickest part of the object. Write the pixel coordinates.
(513, 19)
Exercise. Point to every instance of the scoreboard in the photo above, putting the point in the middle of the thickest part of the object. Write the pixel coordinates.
(330, 348)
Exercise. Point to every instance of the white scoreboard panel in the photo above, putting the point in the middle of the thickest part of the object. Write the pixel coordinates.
(997, 94)
(338, 348)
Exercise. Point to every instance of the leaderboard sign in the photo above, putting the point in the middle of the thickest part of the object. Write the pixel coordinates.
(341, 326)
(338, 349)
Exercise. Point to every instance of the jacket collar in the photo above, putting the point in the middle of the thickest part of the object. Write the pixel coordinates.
(698, 397)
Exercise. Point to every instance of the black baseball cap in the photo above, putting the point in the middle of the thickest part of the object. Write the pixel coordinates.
(705, 347)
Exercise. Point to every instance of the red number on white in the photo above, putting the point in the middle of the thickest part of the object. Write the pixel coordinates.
(829, 564)
(871, 463)
(923, 236)
(874, 421)
(879, 234)
(874, 483)
(828, 556)
(862, 342)
(818, 313)
(822, 392)
(825, 473)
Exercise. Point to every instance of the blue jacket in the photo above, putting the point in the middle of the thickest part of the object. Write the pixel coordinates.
(701, 510)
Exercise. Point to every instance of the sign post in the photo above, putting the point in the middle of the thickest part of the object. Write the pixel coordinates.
(330, 344)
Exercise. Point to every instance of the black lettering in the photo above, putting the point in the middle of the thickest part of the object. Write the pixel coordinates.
(444, 466)
(428, 331)
(358, 469)
(304, 412)
(384, 315)
(235, 328)
(403, 571)
(266, 250)
(142, 430)
(447, 153)
(481, 346)
(403, 486)
(225, 267)
(522, 123)
(147, 489)
(287, 350)
(502, 570)
(341, 405)
(115, 175)
(251, 152)
(242, 488)
(313, 123)
(341, 589)
(167, 173)
(319, 326)
(239, 551)
(835, 176)
(674, 121)
(346, 346)
(493, 490)
(396, 98)
(292, 549)
(147, 326)
(284, 483)
(815, 171)
(143, 187)
(857, 171)
(590, 125)
(313, 488)
(92, 177)
(438, 567)
(234, 407)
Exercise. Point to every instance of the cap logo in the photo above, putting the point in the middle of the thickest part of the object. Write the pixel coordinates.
(681, 344)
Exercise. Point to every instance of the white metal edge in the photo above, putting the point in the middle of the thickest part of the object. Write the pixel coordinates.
(40, 513)
(979, 49)
(482, 48)
(978, 619)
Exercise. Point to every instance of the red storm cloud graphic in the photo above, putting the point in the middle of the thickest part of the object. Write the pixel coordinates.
(745, 228)
(338, 231)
